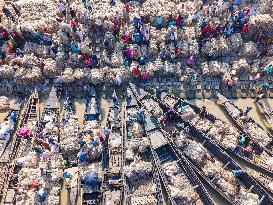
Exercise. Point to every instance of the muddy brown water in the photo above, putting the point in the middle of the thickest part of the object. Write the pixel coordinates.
(211, 105)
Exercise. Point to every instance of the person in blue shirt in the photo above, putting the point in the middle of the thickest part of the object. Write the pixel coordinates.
(237, 173)
(142, 60)
(159, 21)
(106, 43)
(81, 142)
(158, 92)
(136, 23)
(94, 60)
(231, 8)
(74, 47)
(140, 115)
(138, 38)
(243, 140)
(247, 110)
(112, 2)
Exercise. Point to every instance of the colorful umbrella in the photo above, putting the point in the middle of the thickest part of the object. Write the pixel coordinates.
(24, 132)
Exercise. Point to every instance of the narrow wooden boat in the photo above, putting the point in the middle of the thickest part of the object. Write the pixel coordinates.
(142, 184)
(246, 123)
(113, 156)
(7, 127)
(179, 180)
(258, 141)
(208, 159)
(22, 144)
(90, 159)
(70, 131)
(41, 164)
(69, 140)
(268, 111)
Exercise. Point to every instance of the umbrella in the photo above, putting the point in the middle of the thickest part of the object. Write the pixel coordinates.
(91, 179)
(24, 132)
(67, 175)
(42, 194)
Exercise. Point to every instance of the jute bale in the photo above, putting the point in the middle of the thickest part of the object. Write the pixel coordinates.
(241, 67)
(249, 50)
(260, 23)
(6, 71)
(67, 75)
(50, 68)
(39, 15)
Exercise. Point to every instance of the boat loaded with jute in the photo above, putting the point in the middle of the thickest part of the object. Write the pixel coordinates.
(257, 141)
(22, 146)
(7, 128)
(142, 182)
(113, 156)
(91, 147)
(70, 130)
(225, 135)
(39, 180)
(267, 111)
(207, 158)
(70, 147)
(179, 179)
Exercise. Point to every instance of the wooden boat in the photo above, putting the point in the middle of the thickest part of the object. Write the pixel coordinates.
(179, 180)
(91, 166)
(113, 156)
(69, 140)
(260, 139)
(70, 130)
(147, 188)
(7, 127)
(247, 124)
(21, 147)
(209, 160)
(47, 142)
(268, 111)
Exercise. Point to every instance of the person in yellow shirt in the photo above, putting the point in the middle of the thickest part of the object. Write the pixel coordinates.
(255, 158)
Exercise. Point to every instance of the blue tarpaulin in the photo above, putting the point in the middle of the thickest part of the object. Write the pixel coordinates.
(91, 179)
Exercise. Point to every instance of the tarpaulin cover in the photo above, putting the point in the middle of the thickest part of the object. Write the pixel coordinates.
(90, 117)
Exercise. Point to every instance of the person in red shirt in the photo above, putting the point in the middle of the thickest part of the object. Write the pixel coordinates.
(245, 28)
(136, 71)
(207, 28)
(73, 23)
